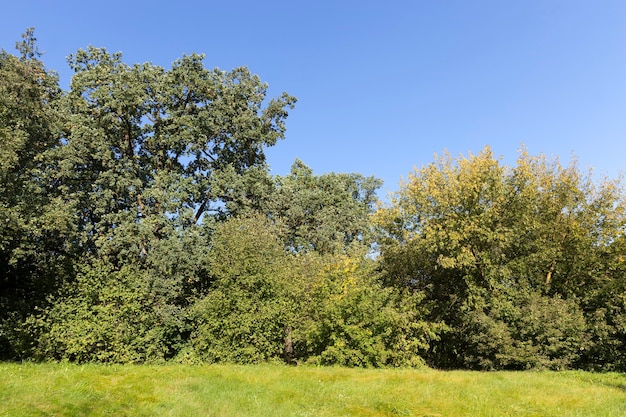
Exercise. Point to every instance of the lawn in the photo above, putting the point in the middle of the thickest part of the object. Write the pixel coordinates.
(272, 390)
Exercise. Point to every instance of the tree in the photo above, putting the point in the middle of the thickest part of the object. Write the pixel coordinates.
(144, 151)
(122, 178)
(35, 232)
(144, 146)
(326, 213)
(246, 314)
(475, 235)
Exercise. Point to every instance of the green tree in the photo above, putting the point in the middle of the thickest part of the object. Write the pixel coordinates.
(145, 145)
(524, 329)
(605, 307)
(140, 169)
(326, 213)
(35, 233)
(248, 311)
(475, 235)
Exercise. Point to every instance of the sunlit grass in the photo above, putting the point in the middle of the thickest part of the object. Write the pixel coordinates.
(265, 390)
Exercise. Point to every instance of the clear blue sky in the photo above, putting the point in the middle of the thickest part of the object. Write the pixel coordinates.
(383, 85)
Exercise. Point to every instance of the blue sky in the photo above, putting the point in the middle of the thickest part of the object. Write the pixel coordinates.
(383, 85)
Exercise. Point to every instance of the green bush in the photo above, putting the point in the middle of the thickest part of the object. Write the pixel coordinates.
(527, 331)
(104, 316)
(243, 317)
(354, 321)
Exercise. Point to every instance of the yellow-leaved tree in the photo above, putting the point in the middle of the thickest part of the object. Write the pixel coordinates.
(513, 259)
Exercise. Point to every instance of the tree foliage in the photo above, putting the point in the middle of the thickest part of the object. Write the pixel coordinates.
(105, 315)
(354, 321)
(269, 304)
(244, 316)
(35, 231)
(146, 146)
(325, 214)
(492, 246)
(139, 222)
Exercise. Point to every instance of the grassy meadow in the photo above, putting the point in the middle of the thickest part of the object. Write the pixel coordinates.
(267, 390)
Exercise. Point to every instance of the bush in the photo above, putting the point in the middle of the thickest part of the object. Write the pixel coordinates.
(243, 317)
(528, 331)
(106, 315)
(354, 321)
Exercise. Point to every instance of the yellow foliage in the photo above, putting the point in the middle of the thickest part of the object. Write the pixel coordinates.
(475, 213)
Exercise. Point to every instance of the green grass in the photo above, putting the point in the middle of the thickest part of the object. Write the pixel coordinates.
(266, 390)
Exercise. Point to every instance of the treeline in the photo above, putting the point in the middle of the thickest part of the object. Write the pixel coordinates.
(139, 223)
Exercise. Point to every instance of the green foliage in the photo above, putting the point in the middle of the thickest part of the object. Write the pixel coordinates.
(123, 315)
(26, 119)
(526, 331)
(606, 311)
(35, 230)
(354, 321)
(104, 316)
(326, 213)
(507, 257)
(139, 223)
(269, 304)
(124, 172)
(146, 146)
(243, 317)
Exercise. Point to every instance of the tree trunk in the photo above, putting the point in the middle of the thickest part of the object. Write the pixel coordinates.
(288, 350)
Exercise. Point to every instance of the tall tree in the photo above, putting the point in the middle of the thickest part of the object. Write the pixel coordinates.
(141, 168)
(35, 236)
(487, 243)
(145, 145)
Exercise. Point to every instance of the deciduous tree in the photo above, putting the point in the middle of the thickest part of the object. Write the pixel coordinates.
(475, 235)
(35, 231)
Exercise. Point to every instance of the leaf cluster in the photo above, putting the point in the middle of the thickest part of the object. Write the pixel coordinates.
(513, 259)
(142, 225)
(139, 223)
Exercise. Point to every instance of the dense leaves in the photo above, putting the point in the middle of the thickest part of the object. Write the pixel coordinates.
(244, 316)
(35, 231)
(509, 258)
(139, 222)
(145, 146)
(355, 321)
(105, 316)
(326, 213)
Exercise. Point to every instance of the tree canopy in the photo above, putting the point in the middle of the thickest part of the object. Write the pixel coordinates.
(509, 257)
(139, 222)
